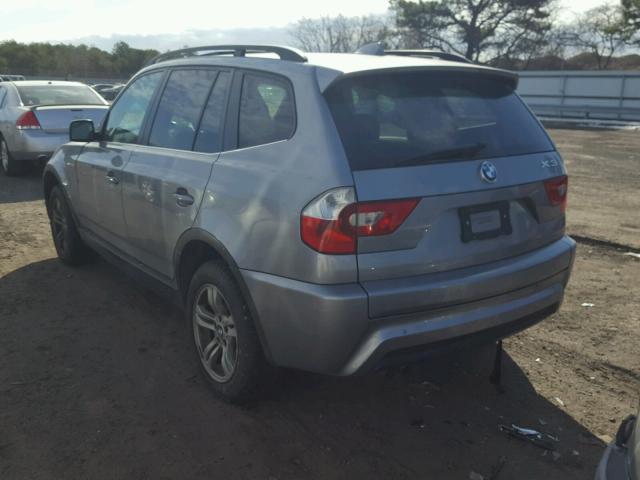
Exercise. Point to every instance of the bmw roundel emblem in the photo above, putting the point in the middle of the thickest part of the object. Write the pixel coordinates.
(488, 172)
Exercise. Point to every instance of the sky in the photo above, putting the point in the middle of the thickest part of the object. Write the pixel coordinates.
(148, 24)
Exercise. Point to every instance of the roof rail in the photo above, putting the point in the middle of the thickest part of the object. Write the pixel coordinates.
(285, 53)
(452, 57)
(376, 48)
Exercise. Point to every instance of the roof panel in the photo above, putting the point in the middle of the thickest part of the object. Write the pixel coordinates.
(330, 66)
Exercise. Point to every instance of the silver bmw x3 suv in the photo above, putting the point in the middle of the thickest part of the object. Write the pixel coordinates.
(325, 212)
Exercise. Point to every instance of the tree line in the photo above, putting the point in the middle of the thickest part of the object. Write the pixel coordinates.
(62, 60)
(517, 34)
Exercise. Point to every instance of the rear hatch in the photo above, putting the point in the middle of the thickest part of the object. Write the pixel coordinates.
(485, 178)
(57, 104)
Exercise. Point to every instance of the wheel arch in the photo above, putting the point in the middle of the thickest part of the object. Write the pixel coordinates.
(49, 180)
(196, 246)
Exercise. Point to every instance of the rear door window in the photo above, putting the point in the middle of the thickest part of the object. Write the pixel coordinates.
(180, 108)
(413, 118)
(267, 111)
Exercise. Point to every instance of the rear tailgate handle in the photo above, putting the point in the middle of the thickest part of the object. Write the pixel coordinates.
(183, 198)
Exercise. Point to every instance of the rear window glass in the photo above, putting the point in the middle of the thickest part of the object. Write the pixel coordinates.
(58, 95)
(267, 112)
(403, 119)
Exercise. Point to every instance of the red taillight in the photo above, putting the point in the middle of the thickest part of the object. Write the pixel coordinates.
(557, 189)
(333, 222)
(326, 236)
(323, 224)
(27, 121)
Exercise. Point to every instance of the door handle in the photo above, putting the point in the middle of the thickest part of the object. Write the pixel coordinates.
(111, 178)
(183, 198)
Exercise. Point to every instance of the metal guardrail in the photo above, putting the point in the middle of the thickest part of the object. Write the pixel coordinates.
(608, 95)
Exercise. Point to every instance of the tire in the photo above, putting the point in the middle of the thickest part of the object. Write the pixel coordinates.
(69, 246)
(9, 165)
(229, 336)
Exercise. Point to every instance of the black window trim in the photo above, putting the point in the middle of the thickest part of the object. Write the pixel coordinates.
(225, 112)
(232, 111)
(152, 104)
(146, 132)
(231, 140)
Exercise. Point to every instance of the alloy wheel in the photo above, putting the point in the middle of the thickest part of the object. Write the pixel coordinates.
(4, 155)
(215, 333)
(59, 224)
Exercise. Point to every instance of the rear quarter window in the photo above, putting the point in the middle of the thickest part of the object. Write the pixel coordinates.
(412, 118)
(267, 110)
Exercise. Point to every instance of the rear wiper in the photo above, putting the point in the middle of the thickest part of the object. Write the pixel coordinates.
(465, 151)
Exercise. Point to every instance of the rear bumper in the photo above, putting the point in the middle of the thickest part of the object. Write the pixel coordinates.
(36, 144)
(329, 329)
(441, 289)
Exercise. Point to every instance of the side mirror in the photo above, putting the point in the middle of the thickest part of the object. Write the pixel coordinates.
(82, 131)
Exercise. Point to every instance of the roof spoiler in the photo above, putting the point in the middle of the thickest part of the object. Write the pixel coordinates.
(377, 48)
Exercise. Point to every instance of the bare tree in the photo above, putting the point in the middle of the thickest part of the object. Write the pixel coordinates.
(600, 31)
(340, 34)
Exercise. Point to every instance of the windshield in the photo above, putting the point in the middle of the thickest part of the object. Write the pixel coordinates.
(58, 95)
(412, 118)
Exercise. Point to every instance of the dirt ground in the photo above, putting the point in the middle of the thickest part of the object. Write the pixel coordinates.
(97, 379)
(604, 182)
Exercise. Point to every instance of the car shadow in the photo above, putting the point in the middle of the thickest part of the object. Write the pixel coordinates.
(98, 379)
(25, 187)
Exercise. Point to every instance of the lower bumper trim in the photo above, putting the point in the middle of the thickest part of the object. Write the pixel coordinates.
(422, 352)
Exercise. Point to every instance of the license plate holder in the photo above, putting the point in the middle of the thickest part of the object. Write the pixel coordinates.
(482, 222)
